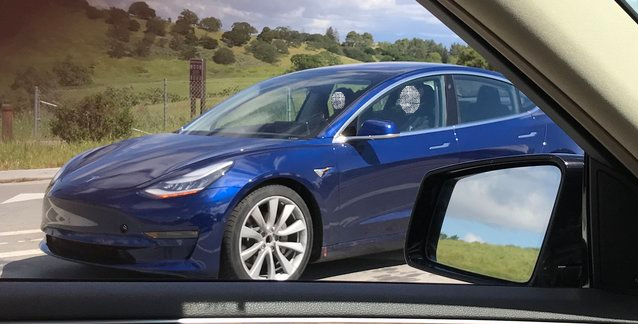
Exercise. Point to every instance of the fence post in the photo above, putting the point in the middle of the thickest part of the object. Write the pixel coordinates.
(36, 112)
(165, 103)
(7, 122)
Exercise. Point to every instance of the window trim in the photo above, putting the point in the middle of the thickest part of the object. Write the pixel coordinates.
(340, 139)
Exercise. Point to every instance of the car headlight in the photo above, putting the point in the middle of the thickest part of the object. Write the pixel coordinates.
(190, 183)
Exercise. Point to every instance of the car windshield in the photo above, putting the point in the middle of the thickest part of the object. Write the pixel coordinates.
(297, 105)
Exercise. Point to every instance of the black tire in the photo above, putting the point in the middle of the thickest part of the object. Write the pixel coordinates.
(232, 267)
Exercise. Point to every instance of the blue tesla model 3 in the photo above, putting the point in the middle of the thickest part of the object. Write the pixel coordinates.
(310, 166)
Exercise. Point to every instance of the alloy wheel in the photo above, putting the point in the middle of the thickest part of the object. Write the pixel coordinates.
(273, 239)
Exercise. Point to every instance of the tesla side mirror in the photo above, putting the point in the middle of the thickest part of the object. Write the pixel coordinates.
(513, 221)
(378, 129)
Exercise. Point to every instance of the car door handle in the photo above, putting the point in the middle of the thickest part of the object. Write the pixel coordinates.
(530, 135)
(442, 146)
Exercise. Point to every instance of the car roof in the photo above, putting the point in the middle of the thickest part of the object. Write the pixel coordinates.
(392, 69)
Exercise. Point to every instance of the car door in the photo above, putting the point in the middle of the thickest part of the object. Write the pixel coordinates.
(379, 179)
(492, 121)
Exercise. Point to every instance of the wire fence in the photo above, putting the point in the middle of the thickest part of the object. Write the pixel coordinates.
(157, 106)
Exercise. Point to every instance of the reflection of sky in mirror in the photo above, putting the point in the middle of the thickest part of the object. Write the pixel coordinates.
(510, 206)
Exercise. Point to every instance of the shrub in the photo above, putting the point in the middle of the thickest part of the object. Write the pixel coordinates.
(117, 16)
(239, 34)
(70, 73)
(117, 49)
(177, 43)
(264, 51)
(188, 52)
(335, 49)
(281, 46)
(208, 42)
(24, 83)
(27, 79)
(105, 115)
(143, 47)
(95, 13)
(306, 61)
(120, 33)
(210, 24)
(182, 27)
(191, 39)
(357, 54)
(134, 25)
(155, 96)
(141, 10)
(156, 26)
(235, 38)
(162, 42)
(224, 56)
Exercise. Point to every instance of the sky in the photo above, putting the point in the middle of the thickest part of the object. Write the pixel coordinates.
(505, 207)
(386, 20)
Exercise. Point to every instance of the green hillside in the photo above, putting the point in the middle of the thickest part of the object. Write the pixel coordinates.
(500, 261)
(51, 35)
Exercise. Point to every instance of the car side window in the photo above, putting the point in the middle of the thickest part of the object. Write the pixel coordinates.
(481, 98)
(412, 106)
(343, 94)
(526, 103)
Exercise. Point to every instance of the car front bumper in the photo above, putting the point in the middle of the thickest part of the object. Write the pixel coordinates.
(113, 231)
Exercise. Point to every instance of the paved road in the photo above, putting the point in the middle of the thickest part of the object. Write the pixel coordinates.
(20, 210)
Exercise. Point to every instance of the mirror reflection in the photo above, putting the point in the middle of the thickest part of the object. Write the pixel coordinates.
(496, 221)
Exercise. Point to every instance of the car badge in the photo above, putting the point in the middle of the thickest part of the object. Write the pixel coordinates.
(321, 172)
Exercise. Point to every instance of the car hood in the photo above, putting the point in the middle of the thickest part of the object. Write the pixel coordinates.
(137, 161)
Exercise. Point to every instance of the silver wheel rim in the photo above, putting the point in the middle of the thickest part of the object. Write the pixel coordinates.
(273, 239)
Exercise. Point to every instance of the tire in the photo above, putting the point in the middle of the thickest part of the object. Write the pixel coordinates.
(271, 249)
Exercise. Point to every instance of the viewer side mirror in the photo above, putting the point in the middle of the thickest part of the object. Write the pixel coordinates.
(509, 221)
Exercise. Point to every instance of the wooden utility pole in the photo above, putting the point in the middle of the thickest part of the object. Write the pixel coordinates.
(7, 122)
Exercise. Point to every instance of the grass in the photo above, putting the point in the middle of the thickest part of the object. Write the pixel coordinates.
(40, 154)
(500, 261)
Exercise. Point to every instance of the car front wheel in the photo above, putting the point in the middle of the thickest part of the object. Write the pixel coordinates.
(268, 236)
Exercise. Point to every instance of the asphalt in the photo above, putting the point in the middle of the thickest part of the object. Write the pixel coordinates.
(20, 257)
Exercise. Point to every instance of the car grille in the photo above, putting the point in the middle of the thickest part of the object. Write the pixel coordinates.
(88, 252)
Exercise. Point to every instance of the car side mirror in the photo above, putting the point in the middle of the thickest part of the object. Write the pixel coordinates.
(512, 221)
(377, 129)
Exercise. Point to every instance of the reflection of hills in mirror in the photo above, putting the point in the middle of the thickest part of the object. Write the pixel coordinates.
(496, 221)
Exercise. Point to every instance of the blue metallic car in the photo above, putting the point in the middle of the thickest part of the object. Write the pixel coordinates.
(310, 166)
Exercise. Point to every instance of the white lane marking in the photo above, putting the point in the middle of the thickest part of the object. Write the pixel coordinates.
(21, 253)
(4, 243)
(21, 241)
(33, 231)
(23, 197)
(35, 240)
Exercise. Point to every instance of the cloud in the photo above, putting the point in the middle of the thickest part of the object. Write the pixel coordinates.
(471, 238)
(518, 198)
(387, 20)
